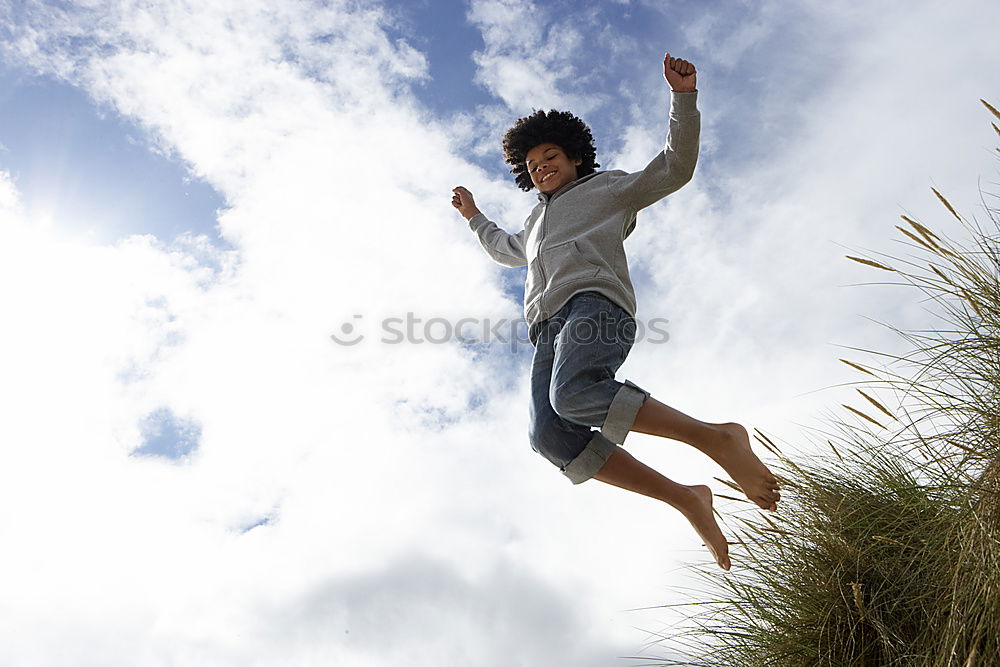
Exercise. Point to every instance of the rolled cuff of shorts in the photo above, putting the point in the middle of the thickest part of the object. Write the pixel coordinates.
(622, 411)
(590, 460)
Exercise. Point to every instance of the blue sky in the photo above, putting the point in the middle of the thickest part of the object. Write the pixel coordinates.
(194, 197)
(92, 170)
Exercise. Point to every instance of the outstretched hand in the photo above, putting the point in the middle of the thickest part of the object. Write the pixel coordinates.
(680, 74)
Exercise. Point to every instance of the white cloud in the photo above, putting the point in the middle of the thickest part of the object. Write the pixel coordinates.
(529, 54)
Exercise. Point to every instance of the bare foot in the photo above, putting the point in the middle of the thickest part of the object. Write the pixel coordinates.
(699, 513)
(732, 451)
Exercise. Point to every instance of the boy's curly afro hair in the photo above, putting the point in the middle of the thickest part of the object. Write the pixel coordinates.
(558, 127)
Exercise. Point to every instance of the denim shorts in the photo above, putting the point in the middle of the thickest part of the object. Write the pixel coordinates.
(573, 386)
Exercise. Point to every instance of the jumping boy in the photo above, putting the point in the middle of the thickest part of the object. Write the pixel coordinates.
(580, 306)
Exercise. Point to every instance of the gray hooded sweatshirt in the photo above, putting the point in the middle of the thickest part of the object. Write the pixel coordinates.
(573, 239)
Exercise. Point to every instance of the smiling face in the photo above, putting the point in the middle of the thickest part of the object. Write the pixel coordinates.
(550, 168)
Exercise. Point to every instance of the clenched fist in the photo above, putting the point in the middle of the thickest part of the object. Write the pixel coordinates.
(463, 201)
(680, 74)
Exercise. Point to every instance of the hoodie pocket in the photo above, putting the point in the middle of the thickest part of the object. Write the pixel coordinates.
(557, 265)
(589, 254)
(566, 262)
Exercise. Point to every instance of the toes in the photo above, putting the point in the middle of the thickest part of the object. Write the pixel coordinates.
(768, 502)
(722, 558)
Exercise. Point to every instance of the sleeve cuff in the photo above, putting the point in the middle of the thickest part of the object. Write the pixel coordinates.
(477, 220)
(684, 103)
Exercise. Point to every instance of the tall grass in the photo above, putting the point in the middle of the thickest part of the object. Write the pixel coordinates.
(886, 551)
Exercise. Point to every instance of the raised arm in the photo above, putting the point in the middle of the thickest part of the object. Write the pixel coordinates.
(503, 248)
(674, 166)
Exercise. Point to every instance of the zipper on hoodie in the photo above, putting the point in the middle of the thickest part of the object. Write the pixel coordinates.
(541, 238)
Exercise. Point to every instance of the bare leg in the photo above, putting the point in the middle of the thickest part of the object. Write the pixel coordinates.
(694, 502)
(728, 444)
